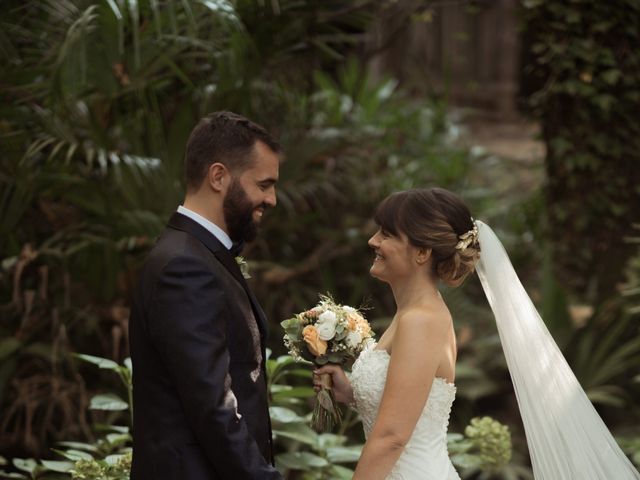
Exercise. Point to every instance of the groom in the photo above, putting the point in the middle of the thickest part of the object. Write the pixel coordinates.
(197, 332)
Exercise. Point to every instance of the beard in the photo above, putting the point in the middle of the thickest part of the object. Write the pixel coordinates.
(238, 214)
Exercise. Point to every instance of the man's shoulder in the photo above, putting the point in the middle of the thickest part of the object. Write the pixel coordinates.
(177, 247)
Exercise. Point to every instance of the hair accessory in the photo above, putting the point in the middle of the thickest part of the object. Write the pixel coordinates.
(469, 238)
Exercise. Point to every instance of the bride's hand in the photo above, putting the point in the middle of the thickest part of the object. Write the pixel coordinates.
(341, 384)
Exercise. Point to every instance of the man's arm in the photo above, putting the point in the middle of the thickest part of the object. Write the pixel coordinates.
(188, 327)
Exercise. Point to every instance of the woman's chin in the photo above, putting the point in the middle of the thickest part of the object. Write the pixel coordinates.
(373, 271)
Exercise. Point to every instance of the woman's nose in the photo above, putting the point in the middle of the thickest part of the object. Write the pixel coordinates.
(373, 241)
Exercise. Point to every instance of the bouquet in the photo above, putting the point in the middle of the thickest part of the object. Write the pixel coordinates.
(327, 333)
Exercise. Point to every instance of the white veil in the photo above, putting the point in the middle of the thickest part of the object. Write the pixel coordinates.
(566, 437)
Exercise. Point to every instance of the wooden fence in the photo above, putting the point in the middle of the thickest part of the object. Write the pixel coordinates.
(467, 49)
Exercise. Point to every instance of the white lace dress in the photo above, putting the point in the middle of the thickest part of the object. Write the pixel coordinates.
(425, 456)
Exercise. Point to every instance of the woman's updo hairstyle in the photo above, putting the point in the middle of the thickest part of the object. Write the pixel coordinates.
(436, 219)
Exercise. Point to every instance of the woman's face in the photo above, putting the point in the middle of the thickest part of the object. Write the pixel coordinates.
(394, 256)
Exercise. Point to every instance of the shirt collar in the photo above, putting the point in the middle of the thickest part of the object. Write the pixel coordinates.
(209, 225)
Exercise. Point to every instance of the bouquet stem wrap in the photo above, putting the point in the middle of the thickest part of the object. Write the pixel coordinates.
(326, 413)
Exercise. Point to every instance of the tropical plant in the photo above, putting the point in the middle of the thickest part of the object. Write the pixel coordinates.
(98, 99)
(108, 458)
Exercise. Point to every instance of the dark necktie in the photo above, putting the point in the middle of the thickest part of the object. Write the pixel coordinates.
(236, 248)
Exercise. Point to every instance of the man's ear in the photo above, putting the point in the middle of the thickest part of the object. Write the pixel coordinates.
(218, 177)
(424, 254)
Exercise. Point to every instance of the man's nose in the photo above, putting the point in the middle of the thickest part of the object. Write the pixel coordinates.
(271, 199)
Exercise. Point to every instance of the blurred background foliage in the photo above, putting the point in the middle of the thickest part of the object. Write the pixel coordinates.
(98, 98)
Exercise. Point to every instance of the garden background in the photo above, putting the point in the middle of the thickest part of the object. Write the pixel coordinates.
(527, 108)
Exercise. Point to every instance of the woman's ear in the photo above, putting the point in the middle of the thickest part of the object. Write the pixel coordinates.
(218, 176)
(423, 256)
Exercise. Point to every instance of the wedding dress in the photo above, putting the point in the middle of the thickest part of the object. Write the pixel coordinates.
(425, 456)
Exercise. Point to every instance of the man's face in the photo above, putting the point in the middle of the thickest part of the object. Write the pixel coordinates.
(250, 194)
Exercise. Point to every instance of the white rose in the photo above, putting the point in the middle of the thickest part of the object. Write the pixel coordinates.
(326, 325)
(353, 339)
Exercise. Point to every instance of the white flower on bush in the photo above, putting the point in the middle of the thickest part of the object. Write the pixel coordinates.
(326, 325)
(353, 339)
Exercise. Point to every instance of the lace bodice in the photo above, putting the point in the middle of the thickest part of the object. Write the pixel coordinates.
(425, 456)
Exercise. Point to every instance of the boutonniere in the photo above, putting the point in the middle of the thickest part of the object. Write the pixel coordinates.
(244, 267)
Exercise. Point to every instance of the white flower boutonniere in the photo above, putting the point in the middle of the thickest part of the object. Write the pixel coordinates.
(244, 267)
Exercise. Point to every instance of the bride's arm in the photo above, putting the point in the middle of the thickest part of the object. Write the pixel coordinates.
(417, 349)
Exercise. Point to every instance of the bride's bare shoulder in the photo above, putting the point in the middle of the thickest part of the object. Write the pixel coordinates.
(425, 317)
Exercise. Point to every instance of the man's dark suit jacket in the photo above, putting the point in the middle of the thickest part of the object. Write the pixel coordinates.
(199, 383)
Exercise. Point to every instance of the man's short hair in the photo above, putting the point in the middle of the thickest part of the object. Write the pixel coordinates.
(226, 138)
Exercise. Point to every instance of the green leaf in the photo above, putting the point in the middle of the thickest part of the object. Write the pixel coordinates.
(12, 475)
(321, 360)
(291, 392)
(74, 455)
(466, 460)
(57, 466)
(120, 429)
(99, 361)
(117, 439)
(605, 101)
(300, 432)
(109, 402)
(611, 76)
(338, 472)
(25, 464)
(284, 415)
(78, 446)
(8, 346)
(349, 454)
(300, 461)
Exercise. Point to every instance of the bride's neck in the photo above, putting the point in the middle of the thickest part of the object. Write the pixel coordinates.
(414, 291)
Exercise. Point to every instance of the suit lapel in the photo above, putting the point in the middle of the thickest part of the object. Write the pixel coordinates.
(225, 257)
(185, 224)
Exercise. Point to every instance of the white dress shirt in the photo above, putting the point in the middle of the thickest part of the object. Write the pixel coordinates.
(209, 225)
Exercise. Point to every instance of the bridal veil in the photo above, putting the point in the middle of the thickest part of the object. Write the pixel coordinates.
(566, 437)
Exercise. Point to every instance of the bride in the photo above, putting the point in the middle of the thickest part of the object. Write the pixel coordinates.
(403, 386)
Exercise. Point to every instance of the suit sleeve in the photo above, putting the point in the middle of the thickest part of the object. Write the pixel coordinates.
(188, 327)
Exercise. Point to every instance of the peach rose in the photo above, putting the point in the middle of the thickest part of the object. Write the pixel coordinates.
(363, 327)
(315, 345)
(352, 322)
